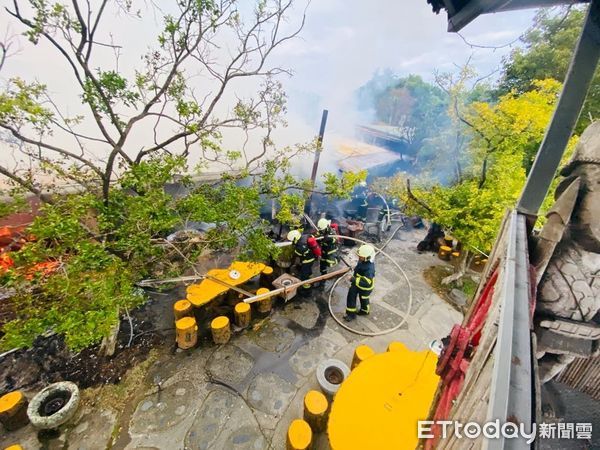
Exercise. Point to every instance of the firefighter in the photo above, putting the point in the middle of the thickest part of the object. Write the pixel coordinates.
(361, 195)
(327, 231)
(362, 283)
(306, 249)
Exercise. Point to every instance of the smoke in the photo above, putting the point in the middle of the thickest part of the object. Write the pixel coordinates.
(342, 45)
(345, 42)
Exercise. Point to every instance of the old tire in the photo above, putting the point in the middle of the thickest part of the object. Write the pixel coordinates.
(326, 369)
(66, 390)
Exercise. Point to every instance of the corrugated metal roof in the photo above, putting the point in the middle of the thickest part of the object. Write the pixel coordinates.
(463, 12)
(358, 155)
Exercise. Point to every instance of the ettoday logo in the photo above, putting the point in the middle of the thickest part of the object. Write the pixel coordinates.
(508, 430)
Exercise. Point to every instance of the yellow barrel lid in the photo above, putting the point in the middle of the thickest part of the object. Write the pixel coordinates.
(262, 291)
(220, 322)
(268, 270)
(363, 352)
(445, 248)
(395, 346)
(10, 400)
(182, 305)
(242, 307)
(455, 253)
(316, 402)
(185, 322)
(299, 434)
(14, 447)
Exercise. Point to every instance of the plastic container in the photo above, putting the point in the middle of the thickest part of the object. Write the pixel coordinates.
(221, 330)
(187, 332)
(182, 308)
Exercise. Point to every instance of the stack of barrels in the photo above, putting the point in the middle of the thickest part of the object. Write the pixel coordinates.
(301, 432)
(186, 325)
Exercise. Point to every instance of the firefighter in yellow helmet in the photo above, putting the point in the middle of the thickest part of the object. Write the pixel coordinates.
(306, 250)
(327, 231)
(362, 283)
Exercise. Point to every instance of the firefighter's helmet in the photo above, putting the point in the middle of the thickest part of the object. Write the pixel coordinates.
(366, 251)
(294, 235)
(322, 224)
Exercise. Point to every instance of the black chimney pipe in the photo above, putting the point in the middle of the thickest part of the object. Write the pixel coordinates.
(313, 177)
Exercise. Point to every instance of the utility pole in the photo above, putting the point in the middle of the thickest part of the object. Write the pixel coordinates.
(313, 177)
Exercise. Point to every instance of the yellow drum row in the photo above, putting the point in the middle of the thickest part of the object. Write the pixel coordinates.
(187, 328)
(300, 432)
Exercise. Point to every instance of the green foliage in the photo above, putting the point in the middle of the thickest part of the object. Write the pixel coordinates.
(342, 186)
(291, 206)
(81, 301)
(515, 124)
(21, 103)
(106, 90)
(548, 50)
(17, 203)
(49, 18)
(502, 140)
(82, 298)
(418, 108)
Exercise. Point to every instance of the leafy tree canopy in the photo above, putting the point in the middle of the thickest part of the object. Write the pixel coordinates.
(548, 50)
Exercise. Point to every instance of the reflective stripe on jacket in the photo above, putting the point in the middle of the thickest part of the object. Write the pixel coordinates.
(307, 248)
(364, 275)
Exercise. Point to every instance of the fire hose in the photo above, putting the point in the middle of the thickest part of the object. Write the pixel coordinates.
(410, 295)
(343, 325)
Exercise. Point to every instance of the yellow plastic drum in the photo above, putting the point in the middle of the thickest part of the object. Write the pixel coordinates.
(243, 314)
(299, 435)
(181, 309)
(221, 331)
(361, 353)
(264, 306)
(315, 410)
(13, 410)
(187, 332)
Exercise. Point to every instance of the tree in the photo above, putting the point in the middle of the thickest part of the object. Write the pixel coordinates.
(416, 107)
(499, 151)
(160, 96)
(114, 229)
(549, 46)
(367, 94)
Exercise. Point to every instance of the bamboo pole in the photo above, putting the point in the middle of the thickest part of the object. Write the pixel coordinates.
(274, 292)
(194, 278)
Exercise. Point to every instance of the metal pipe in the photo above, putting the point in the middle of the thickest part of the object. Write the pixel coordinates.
(313, 176)
(410, 294)
(256, 298)
(576, 85)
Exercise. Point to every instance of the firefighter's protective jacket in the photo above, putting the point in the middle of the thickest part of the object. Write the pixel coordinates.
(307, 248)
(364, 275)
(329, 242)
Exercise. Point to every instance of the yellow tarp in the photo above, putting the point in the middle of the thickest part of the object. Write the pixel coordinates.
(377, 407)
(201, 293)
